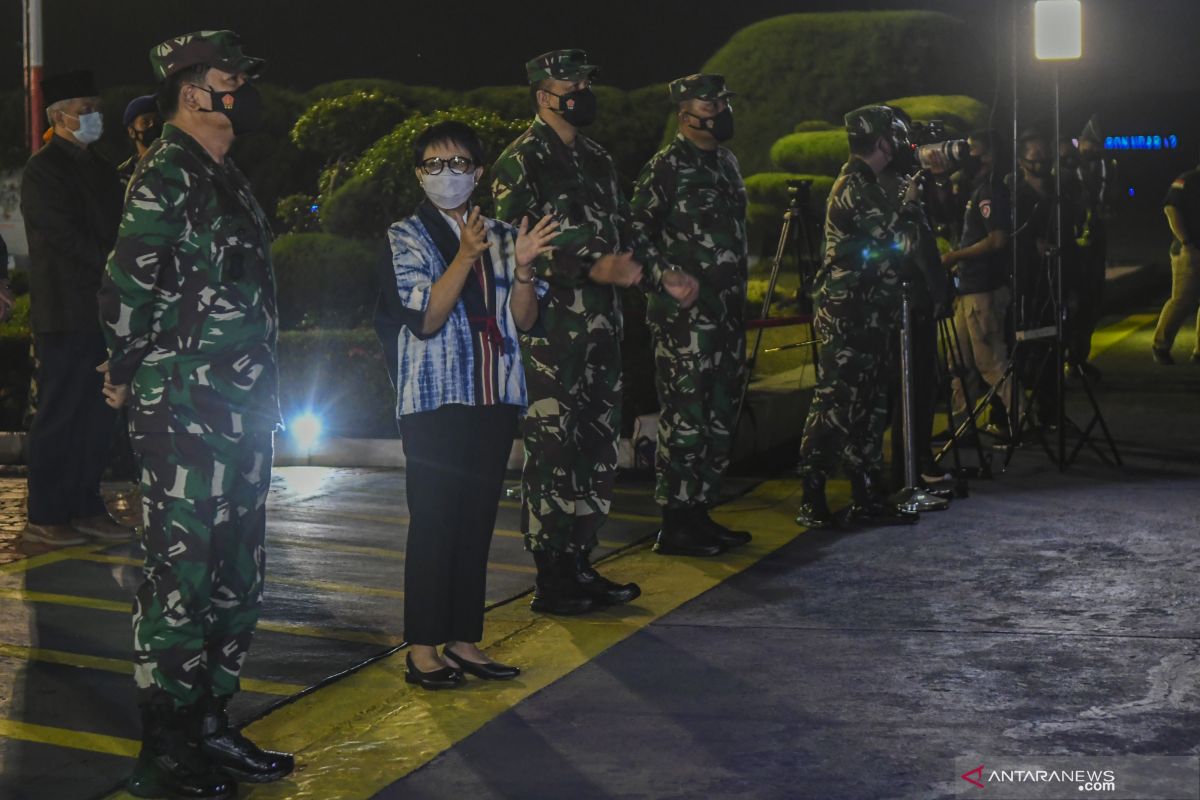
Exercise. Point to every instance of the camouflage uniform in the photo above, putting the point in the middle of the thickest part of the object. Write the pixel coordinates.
(689, 211)
(572, 358)
(188, 305)
(857, 309)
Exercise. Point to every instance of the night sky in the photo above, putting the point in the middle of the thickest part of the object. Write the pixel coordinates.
(1130, 46)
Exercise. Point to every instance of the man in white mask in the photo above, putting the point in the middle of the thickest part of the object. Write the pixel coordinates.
(71, 201)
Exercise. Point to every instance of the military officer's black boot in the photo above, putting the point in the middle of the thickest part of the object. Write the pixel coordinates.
(868, 508)
(554, 592)
(598, 588)
(814, 508)
(234, 753)
(683, 535)
(170, 765)
(728, 537)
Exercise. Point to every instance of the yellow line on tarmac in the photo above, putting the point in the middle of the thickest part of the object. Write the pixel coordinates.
(53, 557)
(123, 666)
(362, 733)
(293, 629)
(78, 740)
(1111, 335)
(327, 586)
(378, 552)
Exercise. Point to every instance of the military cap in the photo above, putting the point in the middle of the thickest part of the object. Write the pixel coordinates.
(67, 86)
(146, 104)
(563, 65)
(870, 121)
(220, 49)
(701, 86)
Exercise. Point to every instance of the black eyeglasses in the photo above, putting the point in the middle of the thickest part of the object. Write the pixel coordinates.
(459, 165)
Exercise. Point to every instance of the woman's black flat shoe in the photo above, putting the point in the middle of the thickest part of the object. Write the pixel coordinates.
(444, 678)
(491, 671)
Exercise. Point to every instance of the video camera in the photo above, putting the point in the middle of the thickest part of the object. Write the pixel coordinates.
(799, 192)
(932, 150)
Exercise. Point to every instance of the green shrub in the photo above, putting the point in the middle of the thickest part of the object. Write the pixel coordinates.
(422, 99)
(814, 125)
(961, 114)
(339, 375)
(323, 280)
(339, 128)
(813, 152)
(384, 188)
(819, 66)
(15, 367)
(507, 102)
(296, 215)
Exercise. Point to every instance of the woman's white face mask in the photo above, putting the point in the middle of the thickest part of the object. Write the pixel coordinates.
(447, 190)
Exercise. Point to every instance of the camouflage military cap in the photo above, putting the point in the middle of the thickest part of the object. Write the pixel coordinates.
(701, 86)
(563, 65)
(870, 121)
(220, 49)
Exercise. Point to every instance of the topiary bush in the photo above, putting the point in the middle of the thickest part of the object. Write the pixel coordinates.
(421, 99)
(770, 188)
(812, 152)
(961, 114)
(814, 125)
(819, 66)
(384, 188)
(323, 280)
(339, 128)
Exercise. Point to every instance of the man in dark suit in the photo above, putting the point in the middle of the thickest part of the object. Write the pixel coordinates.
(71, 202)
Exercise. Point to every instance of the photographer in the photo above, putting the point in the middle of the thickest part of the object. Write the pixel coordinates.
(857, 305)
(980, 267)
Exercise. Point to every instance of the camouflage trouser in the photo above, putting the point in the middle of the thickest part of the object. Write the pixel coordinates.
(204, 515)
(849, 408)
(570, 434)
(699, 367)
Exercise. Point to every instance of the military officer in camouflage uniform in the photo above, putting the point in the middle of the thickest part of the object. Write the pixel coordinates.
(188, 305)
(689, 214)
(857, 309)
(572, 358)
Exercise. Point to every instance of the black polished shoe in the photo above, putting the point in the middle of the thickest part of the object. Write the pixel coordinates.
(600, 589)
(236, 755)
(491, 671)
(444, 678)
(814, 508)
(868, 509)
(1162, 355)
(169, 764)
(726, 536)
(555, 592)
(681, 536)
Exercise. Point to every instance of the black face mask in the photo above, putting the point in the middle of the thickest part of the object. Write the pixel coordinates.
(720, 125)
(578, 108)
(972, 165)
(147, 136)
(243, 107)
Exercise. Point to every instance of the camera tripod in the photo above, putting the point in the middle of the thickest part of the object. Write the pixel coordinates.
(953, 365)
(794, 216)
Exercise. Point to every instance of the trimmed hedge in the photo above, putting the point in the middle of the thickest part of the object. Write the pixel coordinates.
(961, 114)
(384, 188)
(770, 188)
(813, 152)
(342, 127)
(819, 66)
(15, 368)
(814, 125)
(323, 280)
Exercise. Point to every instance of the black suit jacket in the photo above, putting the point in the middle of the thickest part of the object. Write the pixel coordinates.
(71, 201)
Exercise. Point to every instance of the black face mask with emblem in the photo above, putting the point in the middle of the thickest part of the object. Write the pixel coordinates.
(720, 125)
(578, 108)
(244, 107)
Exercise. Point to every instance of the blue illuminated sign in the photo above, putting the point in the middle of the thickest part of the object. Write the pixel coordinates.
(1147, 142)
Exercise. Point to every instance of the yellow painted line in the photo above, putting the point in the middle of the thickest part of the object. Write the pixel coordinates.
(1111, 335)
(83, 661)
(402, 520)
(379, 552)
(293, 629)
(362, 733)
(78, 740)
(53, 557)
(327, 586)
